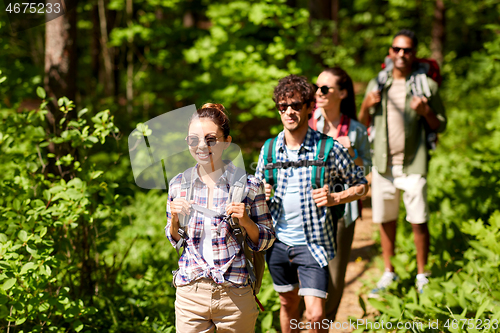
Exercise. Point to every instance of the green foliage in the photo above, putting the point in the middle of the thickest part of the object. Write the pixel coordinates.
(82, 247)
(248, 48)
(46, 275)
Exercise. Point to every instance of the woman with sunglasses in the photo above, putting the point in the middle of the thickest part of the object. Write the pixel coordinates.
(212, 282)
(336, 116)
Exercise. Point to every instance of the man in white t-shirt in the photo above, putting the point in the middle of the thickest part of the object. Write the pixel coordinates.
(400, 152)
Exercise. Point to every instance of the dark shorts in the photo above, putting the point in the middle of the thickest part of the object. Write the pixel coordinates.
(294, 266)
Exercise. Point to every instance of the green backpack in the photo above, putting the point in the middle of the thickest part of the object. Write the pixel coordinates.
(325, 145)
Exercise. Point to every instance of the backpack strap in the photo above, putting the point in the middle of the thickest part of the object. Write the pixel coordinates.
(186, 193)
(270, 172)
(236, 194)
(383, 75)
(325, 145)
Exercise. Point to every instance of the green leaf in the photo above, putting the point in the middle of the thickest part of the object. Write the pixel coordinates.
(267, 322)
(27, 267)
(482, 308)
(9, 283)
(379, 305)
(77, 325)
(23, 236)
(16, 204)
(362, 304)
(96, 174)
(82, 112)
(92, 139)
(41, 92)
(44, 307)
(21, 320)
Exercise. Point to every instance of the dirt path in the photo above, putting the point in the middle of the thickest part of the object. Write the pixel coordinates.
(360, 268)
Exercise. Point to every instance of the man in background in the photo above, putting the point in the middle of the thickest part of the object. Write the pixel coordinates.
(402, 119)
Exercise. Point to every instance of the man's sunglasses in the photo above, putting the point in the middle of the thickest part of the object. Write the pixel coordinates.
(324, 89)
(296, 106)
(406, 50)
(194, 141)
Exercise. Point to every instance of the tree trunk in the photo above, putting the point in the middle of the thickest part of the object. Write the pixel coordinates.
(60, 56)
(95, 47)
(106, 51)
(60, 78)
(130, 61)
(320, 9)
(438, 32)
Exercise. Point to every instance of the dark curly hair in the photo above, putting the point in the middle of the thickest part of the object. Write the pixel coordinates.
(292, 84)
(344, 81)
(410, 34)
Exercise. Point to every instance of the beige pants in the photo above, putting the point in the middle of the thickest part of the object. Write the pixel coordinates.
(386, 194)
(203, 306)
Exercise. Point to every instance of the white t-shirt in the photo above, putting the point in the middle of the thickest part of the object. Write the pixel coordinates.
(206, 249)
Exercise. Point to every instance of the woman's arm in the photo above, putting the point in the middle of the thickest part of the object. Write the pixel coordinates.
(259, 226)
(238, 210)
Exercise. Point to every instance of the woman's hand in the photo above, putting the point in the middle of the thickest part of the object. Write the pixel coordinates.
(238, 210)
(268, 188)
(179, 206)
(344, 141)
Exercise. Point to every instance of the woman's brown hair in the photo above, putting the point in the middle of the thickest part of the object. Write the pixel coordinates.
(216, 113)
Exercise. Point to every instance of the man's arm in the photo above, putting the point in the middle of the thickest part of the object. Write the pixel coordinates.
(259, 173)
(323, 197)
(372, 98)
(349, 173)
(421, 106)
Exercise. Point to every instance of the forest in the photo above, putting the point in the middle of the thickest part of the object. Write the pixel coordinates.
(82, 246)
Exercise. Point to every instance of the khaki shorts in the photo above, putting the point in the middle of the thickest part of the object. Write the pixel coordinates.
(203, 306)
(386, 190)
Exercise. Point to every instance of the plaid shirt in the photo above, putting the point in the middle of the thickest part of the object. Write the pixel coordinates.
(229, 258)
(318, 223)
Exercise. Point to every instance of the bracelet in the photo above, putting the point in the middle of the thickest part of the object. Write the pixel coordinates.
(355, 154)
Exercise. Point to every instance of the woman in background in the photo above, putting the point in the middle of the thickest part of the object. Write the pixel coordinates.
(335, 116)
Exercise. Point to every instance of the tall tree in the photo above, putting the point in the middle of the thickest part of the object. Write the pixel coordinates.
(60, 55)
(107, 52)
(438, 32)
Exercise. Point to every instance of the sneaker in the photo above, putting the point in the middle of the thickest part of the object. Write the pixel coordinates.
(384, 282)
(421, 281)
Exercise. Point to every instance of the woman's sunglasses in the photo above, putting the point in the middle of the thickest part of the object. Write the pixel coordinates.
(296, 106)
(194, 141)
(324, 89)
